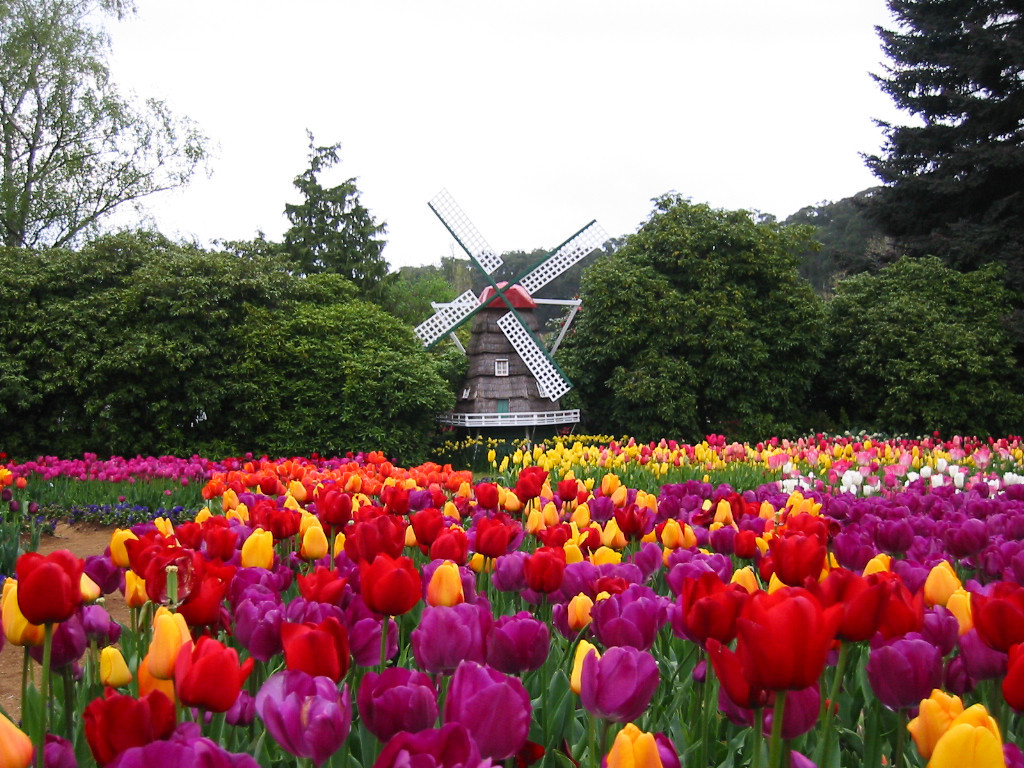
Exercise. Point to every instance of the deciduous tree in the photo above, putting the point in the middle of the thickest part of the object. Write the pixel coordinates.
(73, 148)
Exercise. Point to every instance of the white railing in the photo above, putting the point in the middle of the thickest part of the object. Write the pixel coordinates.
(527, 418)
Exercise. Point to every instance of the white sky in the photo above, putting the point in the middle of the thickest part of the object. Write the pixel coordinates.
(536, 115)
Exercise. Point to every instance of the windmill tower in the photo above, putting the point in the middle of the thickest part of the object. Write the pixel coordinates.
(513, 380)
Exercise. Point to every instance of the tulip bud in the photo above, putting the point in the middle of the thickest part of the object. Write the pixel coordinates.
(578, 612)
(314, 543)
(935, 715)
(959, 604)
(445, 586)
(114, 671)
(135, 595)
(582, 651)
(258, 550)
(942, 582)
(16, 747)
(170, 633)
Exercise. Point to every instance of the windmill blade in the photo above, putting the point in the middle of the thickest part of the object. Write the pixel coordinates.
(570, 252)
(446, 318)
(538, 362)
(461, 228)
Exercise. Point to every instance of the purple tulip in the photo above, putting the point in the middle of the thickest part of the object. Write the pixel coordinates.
(510, 572)
(518, 643)
(981, 662)
(364, 631)
(630, 618)
(904, 671)
(967, 538)
(185, 747)
(800, 714)
(107, 576)
(447, 636)
(59, 753)
(649, 559)
(307, 715)
(243, 711)
(495, 708)
(941, 628)
(258, 626)
(450, 746)
(398, 699)
(619, 685)
(99, 627)
(69, 643)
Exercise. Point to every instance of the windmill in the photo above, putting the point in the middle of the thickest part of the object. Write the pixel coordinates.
(513, 379)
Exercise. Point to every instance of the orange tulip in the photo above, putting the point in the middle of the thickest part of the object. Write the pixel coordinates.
(634, 749)
(445, 586)
(170, 633)
(16, 747)
(258, 550)
(934, 718)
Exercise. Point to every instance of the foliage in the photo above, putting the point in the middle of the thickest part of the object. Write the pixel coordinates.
(848, 241)
(920, 346)
(331, 230)
(136, 345)
(698, 324)
(411, 291)
(73, 148)
(346, 377)
(954, 180)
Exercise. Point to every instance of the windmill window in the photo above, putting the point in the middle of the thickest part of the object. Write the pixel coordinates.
(501, 367)
(465, 394)
(540, 390)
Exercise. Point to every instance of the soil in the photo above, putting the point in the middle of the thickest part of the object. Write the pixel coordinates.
(83, 540)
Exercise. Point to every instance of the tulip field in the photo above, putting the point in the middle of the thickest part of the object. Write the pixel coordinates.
(834, 601)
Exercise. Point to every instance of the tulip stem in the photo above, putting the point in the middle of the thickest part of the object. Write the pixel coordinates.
(829, 705)
(384, 643)
(775, 754)
(898, 757)
(758, 735)
(47, 655)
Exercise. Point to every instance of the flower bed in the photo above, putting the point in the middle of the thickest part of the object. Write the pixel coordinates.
(352, 612)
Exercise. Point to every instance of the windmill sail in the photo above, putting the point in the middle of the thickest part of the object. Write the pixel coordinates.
(447, 317)
(465, 233)
(553, 384)
(573, 250)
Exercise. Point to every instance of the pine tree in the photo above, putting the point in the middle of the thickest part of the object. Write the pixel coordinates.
(954, 180)
(331, 230)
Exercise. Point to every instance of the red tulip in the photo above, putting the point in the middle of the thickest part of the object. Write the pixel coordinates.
(427, 524)
(862, 601)
(381, 534)
(50, 587)
(322, 586)
(220, 540)
(204, 607)
(317, 649)
(998, 616)
(1013, 683)
(494, 535)
(709, 608)
(730, 673)
(902, 610)
(530, 482)
(334, 508)
(545, 569)
(117, 722)
(208, 675)
(784, 637)
(487, 495)
(390, 586)
(797, 557)
(451, 544)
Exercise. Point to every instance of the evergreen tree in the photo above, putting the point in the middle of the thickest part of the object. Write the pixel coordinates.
(954, 180)
(331, 230)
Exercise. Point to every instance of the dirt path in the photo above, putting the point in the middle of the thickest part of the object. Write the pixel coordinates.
(83, 540)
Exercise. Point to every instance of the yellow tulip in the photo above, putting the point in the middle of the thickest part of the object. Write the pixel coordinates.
(297, 491)
(147, 682)
(605, 555)
(511, 502)
(634, 748)
(118, 551)
(612, 536)
(170, 633)
(609, 484)
(934, 718)
(959, 604)
(258, 550)
(90, 589)
(534, 522)
(229, 500)
(135, 595)
(113, 669)
(314, 543)
(880, 563)
(972, 741)
(578, 612)
(582, 651)
(240, 512)
(942, 582)
(203, 515)
(581, 516)
(746, 578)
(16, 747)
(165, 526)
(17, 629)
(723, 513)
(445, 586)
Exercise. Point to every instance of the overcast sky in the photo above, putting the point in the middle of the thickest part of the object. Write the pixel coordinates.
(536, 115)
